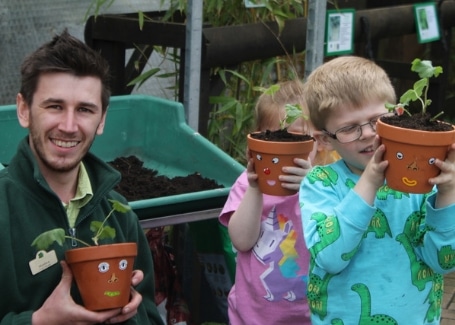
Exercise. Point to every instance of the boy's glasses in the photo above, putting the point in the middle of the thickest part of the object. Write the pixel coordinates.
(352, 132)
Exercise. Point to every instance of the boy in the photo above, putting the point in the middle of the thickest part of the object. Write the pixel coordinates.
(377, 255)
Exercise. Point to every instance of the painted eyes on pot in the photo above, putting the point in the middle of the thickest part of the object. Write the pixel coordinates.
(400, 156)
(103, 267)
(275, 160)
(122, 264)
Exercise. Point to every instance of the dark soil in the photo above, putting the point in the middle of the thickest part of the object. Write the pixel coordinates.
(416, 121)
(280, 136)
(139, 183)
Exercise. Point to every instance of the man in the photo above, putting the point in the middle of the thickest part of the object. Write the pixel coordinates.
(53, 181)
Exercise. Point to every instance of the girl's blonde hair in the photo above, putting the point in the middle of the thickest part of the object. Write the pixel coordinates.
(270, 108)
(346, 80)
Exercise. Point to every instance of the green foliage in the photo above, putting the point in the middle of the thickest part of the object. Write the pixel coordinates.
(46, 239)
(232, 116)
(419, 92)
(57, 235)
(293, 112)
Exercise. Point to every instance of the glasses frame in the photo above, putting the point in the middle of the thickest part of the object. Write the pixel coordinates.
(372, 122)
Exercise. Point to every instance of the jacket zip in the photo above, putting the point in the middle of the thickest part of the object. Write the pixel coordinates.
(72, 232)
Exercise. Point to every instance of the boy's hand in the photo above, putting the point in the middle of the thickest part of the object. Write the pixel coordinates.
(373, 176)
(445, 181)
(294, 174)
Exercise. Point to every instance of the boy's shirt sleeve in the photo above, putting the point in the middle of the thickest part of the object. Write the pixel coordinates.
(334, 217)
(438, 235)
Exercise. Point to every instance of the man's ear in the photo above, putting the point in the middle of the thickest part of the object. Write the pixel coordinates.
(23, 111)
(323, 140)
(100, 128)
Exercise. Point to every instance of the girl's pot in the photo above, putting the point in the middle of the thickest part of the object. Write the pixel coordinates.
(269, 159)
(411, 155)
(103, 274)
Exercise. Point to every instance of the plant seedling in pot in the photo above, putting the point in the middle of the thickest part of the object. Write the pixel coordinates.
(102, 272)
(272, 150)
(99, 229)
(292, 112)
(418, 93)
(414, 141)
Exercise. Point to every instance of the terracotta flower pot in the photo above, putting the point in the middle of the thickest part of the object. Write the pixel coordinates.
(411, 154)
(103, 274)
(269, 159)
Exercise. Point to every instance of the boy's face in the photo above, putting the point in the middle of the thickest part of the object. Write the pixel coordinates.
(65, 115)
(356, 153)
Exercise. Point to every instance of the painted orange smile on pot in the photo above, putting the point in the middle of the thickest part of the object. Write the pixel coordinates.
(408, 182)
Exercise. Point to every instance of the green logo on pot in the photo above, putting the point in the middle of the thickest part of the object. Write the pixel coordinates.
(112, 293)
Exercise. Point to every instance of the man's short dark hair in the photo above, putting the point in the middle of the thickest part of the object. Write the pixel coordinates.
(64, 53)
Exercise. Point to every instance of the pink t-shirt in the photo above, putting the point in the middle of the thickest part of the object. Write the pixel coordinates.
(270, 280)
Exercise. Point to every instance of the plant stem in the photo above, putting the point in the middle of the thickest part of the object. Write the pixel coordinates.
(79, 240)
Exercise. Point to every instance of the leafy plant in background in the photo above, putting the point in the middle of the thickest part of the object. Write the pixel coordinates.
(232, 116)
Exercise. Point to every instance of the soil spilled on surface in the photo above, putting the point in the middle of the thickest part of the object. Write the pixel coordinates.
(139, 183)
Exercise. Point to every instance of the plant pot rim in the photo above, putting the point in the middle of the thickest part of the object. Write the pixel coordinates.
(107, 251)
(279, 147)
(417, 137)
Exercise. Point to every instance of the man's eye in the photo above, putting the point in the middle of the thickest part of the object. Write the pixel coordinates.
(84, 109)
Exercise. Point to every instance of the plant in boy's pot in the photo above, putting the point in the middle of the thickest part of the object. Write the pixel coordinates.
(272, 150)
(102, 272)
(413, 141)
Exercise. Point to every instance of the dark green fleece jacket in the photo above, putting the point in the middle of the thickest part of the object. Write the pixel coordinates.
(29, 207)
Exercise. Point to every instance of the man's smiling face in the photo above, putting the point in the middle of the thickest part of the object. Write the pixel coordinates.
(63, 120)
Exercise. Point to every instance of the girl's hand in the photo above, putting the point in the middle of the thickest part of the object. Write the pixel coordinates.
(294, 174)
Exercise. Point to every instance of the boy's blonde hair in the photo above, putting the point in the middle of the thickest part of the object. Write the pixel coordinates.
(346, 80)
(270, 108)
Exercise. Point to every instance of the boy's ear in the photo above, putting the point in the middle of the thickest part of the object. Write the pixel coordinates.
(323, 140)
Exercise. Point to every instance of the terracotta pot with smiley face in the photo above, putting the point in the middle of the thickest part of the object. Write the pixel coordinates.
(103, 274)
(269, 159)
(411, 155)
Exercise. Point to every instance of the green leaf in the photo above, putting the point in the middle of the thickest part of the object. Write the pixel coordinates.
(425, 68)
(101, 232)
(141, 19)
(120, 207)
(108, 232)
(408, 96)
(420, 85)
(143, 77)
(47, 238)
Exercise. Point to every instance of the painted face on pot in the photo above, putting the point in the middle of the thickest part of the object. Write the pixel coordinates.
(270, 160)
(412, 155)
